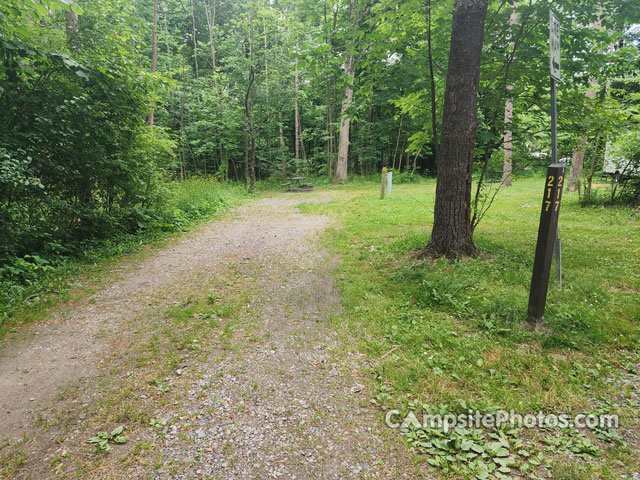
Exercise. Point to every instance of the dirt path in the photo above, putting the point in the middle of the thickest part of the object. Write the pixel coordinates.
(283, 403)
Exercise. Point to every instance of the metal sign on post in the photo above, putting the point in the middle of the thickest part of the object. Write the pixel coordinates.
(548, 240)
(554, 46)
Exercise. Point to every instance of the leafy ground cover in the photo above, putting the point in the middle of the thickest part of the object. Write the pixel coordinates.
(39, 280)
(449, 337)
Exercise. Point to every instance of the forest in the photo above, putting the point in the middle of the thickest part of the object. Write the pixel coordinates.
(171, 308)
(107, 106)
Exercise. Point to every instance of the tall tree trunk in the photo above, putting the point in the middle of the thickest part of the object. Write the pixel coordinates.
(395, 152)
(415, 160)
(282, 146)
(330, 132)
(590, 177)
(195, 41)
(508, 144)
(248, 104)
(508, 117)
(166, 36)
(246, 159)
(182, 156)
(154, 49)
(211, 22)
(452, 235)
(345, 120)
(577, 162)
(296, 119)
(72, 28)
(347, 96)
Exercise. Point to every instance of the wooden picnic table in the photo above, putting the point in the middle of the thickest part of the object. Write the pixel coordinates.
(294, 185)
(296, 180)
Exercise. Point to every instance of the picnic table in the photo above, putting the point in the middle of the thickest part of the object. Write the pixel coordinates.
(295, 186)
(296, 182)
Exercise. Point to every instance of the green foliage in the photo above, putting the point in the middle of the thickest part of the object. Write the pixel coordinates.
(33, 279)
(102, 439)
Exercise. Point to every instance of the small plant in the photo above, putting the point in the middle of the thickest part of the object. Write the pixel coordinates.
(155, 423)
(102, 439)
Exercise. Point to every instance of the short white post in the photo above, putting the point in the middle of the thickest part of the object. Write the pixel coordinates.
(389, 182)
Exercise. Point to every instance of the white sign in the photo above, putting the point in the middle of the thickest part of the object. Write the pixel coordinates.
(554, 45)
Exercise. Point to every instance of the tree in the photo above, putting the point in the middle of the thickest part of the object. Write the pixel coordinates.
(452, 234)
(356, 19)
(154, 49)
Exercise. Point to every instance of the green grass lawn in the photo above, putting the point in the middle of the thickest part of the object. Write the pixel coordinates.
(449, 336)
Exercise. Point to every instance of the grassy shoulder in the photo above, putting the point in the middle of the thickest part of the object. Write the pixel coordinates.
(34, 285)
(450, 336)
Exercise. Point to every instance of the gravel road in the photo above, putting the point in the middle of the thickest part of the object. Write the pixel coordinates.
(288, 404)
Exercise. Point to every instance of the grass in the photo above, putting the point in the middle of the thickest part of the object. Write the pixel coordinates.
(33, 292)
(452, 336)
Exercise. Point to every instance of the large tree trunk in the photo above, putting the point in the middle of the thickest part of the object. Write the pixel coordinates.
(211, 22)
(154, 49)
(345, 121)
(577, 162)
(296, 113)
(330, 132)
(452, 235)
(507, 166)
(182, 99)
(72, 28)
(282, 146)
(195, 41)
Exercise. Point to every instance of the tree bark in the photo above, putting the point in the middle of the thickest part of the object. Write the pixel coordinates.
(577, 162)
(330, 131)
(508, 144)
(154, 49)
(452, 235)
(345, 121)
(248, 104)
(195, 40)
(182, 156)
(395, 153)
(347, 96)
(72, 28)
(507, 165)
(211, 21)
(296, 112)
(283, 158)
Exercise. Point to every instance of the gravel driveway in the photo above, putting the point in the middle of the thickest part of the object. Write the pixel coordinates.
(287, 404)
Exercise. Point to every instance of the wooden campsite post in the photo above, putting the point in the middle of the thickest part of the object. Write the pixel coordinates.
(384, 182)
(547, 233)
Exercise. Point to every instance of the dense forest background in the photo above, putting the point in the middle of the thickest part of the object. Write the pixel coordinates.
(105, 103)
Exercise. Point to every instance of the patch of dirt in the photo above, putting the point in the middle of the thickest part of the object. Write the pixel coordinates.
(287, 405)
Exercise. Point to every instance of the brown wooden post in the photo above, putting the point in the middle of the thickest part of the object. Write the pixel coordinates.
(547, 233)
